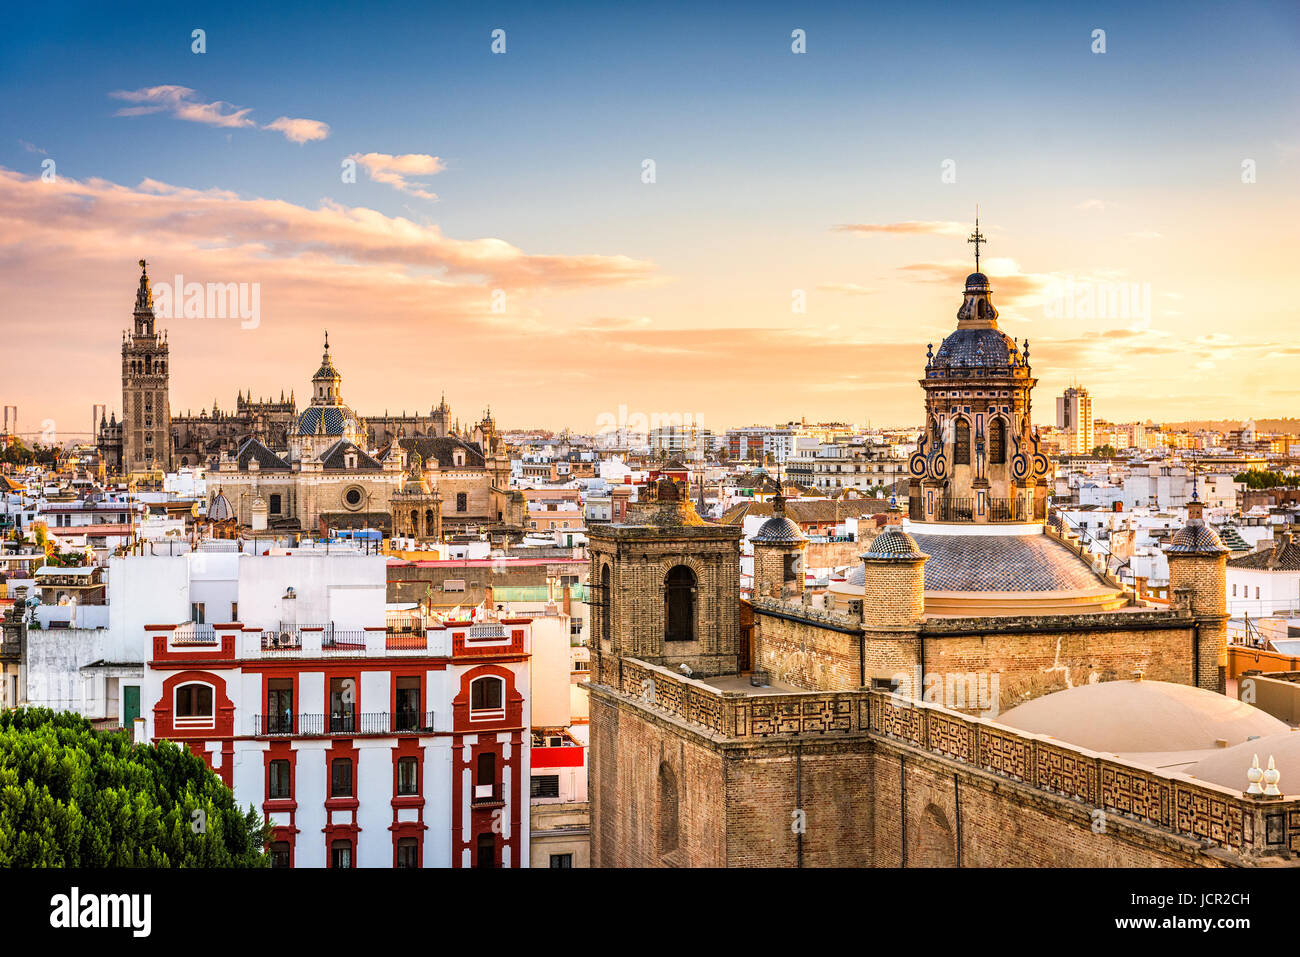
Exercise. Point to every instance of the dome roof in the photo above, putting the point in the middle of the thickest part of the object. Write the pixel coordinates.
(893, 544)
(337, 419)
(220, 509)
(1196, 538)
(977, 282)
(778, 530)
(1228, 767)
(1141, 716)
(987, 348)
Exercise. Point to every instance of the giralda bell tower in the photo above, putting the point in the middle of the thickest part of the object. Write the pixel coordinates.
(146, 410)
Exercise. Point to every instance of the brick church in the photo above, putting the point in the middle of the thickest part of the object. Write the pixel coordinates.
(978, 693)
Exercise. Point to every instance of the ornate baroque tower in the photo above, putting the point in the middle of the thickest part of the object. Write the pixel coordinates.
(978, 459)
(146, 408)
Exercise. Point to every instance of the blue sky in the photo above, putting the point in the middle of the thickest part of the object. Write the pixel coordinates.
(1123, 164)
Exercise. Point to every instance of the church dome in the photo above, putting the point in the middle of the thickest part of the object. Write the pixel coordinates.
(779, 529)
(335, 420)
(1135, 717)
(1228, 767)
(220, 510)
(980, 348)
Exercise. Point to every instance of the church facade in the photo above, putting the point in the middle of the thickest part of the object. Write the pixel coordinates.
(887, 726)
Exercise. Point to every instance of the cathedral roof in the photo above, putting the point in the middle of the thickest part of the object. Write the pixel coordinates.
(327, 420)
(335, 457)
(254, 450)
(431, 448)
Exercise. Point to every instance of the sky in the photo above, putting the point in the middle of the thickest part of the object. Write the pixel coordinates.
(485, 224)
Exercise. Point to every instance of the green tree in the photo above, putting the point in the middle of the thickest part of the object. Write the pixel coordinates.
(74, 797)
(1104, 451)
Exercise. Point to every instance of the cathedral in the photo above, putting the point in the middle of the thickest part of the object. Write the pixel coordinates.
(278, 468)
(977, 693)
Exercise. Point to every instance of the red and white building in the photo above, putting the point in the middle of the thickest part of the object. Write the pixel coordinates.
(367, 739)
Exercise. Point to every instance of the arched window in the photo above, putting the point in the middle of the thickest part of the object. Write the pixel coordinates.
(604, 606)
(275, 504)
(961, 443)
(415, 521)
(194, 706)
(487, 697)
(668, 837)
(462, 502)
(997, 442)
(429, 524)
(679, 604)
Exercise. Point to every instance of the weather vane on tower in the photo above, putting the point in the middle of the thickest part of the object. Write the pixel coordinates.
(977, 237)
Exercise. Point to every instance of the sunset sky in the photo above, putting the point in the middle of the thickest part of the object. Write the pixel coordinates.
(774, 172)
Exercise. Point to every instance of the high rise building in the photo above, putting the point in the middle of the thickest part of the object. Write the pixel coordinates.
(1074, 415)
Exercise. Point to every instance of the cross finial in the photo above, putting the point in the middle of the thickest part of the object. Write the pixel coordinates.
(143, 264)
(977, 237)
(327, 340)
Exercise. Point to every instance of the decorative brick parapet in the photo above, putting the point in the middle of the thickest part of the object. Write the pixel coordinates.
(1170, 801)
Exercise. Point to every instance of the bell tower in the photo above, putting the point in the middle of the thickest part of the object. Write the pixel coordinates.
(978, 460)
(146, 408)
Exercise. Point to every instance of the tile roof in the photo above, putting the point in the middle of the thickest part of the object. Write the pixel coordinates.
(996, 563)
(253, 449)
(1284, 556)
(335, 457)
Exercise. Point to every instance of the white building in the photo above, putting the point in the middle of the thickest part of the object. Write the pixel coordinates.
(367, 739)
(1074, 418)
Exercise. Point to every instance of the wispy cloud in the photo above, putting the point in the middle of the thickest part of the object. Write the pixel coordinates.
(32, 148)
(395, 171)
(1089, 205)
(184, 103)
(911, 227)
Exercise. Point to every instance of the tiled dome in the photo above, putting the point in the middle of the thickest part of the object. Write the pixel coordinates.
(894, 544)
(1196, 538)
(778, 530)
(220, 510)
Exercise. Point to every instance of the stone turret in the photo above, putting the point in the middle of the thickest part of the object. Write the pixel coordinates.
(1198, 574)
(779, 548)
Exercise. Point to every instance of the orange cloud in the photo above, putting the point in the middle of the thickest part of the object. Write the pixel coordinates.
(394, 170)
(299, 130)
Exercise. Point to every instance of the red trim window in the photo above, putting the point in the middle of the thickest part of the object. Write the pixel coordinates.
(281, 854)
(279, 780)
(193, 706)
(485, 777)
(487, 698)
(408, 776)
(408, 852)
(341, 853)
(341, 778)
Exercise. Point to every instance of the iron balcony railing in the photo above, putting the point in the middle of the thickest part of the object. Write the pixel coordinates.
(366, 722)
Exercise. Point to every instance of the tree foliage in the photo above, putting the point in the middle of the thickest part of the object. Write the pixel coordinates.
(1263, 478)
(74, 797)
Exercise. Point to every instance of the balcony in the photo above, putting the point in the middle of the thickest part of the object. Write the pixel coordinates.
(363, 723)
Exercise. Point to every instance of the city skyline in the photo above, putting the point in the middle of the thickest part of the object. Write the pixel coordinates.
(779, 177)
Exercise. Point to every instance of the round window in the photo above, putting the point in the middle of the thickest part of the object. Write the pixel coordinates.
(353, 497)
